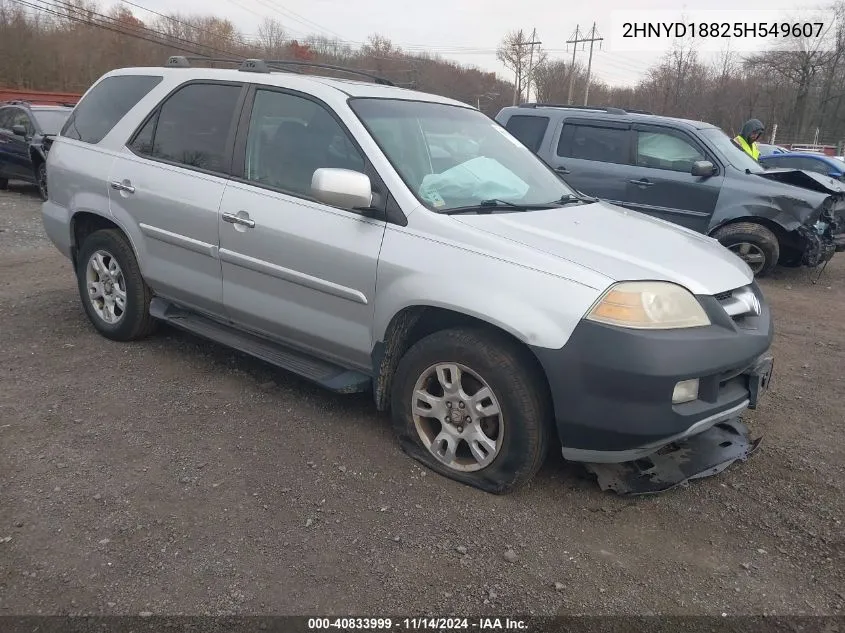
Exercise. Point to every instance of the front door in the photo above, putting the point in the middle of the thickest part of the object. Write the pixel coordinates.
(661, 181)
(168, 184)
(14, 148)
(296, 269)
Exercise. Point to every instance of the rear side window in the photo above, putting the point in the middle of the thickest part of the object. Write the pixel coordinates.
(192, 127)
(6, 118)
(588, 142)
(106, 104)
(528, 129)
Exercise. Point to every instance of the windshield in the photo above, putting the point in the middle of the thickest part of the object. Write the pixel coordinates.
(453, 157)
(731, 152)
(51, 121)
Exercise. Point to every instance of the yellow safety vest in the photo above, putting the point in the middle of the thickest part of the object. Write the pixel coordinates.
(752, 150)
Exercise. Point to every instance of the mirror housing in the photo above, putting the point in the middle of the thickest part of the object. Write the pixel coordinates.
(19, 130)
(342, 188)
(703, 168)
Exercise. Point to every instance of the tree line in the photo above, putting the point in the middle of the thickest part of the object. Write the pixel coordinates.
(65, 45)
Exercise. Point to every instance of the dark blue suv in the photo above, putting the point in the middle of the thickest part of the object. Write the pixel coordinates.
(26, 132)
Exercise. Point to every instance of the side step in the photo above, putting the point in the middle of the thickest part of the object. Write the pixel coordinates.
(328, 375)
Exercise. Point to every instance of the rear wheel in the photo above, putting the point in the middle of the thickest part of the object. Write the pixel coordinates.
(114, 295)
(468, 404)
(755, 244)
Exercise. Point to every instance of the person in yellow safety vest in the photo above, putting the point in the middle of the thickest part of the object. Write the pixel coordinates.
(746, 140)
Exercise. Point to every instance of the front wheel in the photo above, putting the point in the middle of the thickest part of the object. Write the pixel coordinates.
(41, 180)
(755, 244)
(470, 405)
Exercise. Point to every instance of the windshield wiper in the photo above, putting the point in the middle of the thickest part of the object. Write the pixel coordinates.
(487, 206)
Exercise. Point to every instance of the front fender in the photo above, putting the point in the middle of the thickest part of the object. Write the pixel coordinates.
(537, 308)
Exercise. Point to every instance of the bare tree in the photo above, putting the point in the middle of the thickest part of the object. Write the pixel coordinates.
(271, 37)
(514, 53)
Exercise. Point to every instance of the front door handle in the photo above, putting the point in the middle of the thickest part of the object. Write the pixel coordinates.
(562, 170)
(243, 220)
(119, 186)
(642, 182)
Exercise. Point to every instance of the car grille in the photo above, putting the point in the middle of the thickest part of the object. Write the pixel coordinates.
(740, 303)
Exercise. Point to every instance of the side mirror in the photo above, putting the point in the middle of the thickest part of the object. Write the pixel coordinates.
(703, 168)
(19, 130)
(342, 188)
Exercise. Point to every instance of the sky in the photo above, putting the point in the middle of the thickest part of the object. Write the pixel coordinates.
(468, 31)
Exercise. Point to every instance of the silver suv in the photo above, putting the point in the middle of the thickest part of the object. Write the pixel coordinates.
(369, 237)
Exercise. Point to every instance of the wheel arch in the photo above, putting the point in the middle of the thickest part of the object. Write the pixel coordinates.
(413, 323)
(84, 223)
(787, 238)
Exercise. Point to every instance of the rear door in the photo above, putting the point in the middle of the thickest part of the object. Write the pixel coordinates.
(594, 156)
(169, 182)
(661, 183)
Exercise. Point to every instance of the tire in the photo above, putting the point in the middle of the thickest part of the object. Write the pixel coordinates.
(523, 432)
(751, 239)
(41, 180)
(133, 321)
(4, 184)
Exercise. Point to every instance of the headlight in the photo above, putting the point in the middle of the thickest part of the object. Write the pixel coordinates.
(652, 305)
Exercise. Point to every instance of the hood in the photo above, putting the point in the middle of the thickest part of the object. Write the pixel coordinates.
(621, 244)
(806, 179)
(751, 126)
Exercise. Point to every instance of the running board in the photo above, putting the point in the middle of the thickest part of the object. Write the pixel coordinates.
(325, 374)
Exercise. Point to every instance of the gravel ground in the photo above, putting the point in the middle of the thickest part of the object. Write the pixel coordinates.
(173, 476)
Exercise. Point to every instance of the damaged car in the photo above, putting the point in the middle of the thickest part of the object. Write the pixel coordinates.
(689, 173)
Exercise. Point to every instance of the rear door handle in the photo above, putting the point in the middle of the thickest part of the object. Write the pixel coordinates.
(243, 220)
(562, 170)
(119, 186)
(642, 182)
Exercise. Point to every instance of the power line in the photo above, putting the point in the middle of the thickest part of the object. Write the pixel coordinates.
(577, 39)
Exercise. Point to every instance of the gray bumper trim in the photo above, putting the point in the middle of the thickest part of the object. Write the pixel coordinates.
(617, 457)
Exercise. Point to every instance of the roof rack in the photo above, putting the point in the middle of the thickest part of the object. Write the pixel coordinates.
(608, 109)
(267, 66)
(45, 102)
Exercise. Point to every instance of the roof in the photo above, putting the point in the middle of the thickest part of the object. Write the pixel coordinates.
(351, 88)
(609, 114)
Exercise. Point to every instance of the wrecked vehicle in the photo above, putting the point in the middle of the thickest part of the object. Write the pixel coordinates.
(689, 173)
(26, 133)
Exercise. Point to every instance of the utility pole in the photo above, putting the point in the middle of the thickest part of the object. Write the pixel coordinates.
(530, 62)
(574, 41)
(517, 88)
(591, 40)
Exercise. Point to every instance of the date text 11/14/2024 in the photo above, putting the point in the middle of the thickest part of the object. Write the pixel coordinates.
(417, 624)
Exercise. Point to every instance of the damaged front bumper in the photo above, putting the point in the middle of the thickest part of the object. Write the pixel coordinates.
(678, 463)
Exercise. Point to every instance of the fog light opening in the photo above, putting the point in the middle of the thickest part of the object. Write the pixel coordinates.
(685, 391)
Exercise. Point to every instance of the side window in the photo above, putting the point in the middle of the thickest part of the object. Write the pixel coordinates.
(528, 129)
(588, 142)
(105, 105)
(664, 150)
(20, 117)
(6, 119)
(818, 166)
(191, 127)
(290, 138)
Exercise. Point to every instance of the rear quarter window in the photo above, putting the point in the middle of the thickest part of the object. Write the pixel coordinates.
(105, 105)
(530, 130)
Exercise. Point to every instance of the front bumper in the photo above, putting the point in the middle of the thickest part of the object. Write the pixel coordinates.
(612, 387)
